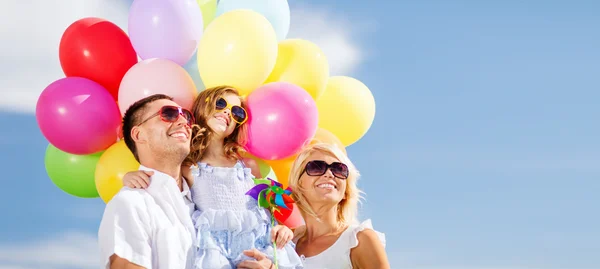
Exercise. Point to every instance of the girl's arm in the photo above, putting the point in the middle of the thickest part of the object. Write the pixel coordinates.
(251, 163)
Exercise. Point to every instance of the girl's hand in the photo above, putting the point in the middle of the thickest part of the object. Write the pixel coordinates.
(281, 234)
(137, 179)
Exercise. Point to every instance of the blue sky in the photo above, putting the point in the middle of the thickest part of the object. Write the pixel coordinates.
(484, 152)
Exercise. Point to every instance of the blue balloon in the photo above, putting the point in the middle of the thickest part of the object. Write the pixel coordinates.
(192, 68)
(276, 11)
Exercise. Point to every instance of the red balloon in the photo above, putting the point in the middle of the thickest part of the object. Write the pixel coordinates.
(98, 50)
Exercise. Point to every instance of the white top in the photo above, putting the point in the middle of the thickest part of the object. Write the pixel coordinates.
(337, 256)
(150, 227)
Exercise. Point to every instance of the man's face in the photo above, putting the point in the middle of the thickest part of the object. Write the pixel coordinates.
(162, 138)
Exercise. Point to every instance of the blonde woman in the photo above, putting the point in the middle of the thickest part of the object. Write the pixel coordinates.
(323, 180)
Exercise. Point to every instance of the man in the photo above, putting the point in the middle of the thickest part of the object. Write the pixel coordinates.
(151, 227)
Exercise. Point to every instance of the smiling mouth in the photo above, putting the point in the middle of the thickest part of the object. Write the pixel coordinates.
(327, 186)
(179, 135)
(223, 119)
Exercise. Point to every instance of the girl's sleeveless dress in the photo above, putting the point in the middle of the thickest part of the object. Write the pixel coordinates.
(228, 221)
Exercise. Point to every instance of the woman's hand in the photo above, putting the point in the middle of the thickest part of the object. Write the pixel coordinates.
(281, 234)
(261, 260)
(137, 179)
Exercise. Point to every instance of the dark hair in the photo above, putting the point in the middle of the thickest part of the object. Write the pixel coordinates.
(133, 116)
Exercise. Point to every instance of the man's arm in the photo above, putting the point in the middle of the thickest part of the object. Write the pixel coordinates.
(124, 232)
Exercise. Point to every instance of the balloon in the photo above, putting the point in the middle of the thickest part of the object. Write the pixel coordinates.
(282, 168)
(302, 63)
(73, 174)
(96, 49)
(78, 116)
(192, 69)
(239, 49)
(166, 29)
(346, 109)
(282, 119)
(155, 76)
(208, 8)
(276, 11)
(324, 136)
(295, 219)
(114, 163)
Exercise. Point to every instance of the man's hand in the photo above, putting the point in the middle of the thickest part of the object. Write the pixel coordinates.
(261, 260)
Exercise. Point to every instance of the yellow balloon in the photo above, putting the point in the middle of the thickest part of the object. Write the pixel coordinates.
(346, 109)
(238, 48)
(114, 163)
(209, 9)
(302, 63)
(282, 169)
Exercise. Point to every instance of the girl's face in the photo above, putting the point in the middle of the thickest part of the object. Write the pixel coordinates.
(323, 181)
(221, 121)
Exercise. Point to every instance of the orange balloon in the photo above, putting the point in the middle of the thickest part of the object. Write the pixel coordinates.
(324, 136)
(114, 163)
(282, 169)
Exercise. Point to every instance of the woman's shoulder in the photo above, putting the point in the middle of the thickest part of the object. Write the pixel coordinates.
(365, 234)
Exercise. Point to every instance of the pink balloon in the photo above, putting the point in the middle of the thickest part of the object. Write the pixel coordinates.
(153, 76)
(282, 119)
(78, 116)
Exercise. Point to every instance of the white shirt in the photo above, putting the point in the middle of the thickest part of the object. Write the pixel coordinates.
(150, 227)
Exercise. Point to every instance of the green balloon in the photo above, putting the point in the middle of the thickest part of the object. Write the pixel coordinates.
(265, 170)
(73, 174)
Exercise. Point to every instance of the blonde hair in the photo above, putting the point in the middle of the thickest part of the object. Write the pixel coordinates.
(347, 209)
(203, 108)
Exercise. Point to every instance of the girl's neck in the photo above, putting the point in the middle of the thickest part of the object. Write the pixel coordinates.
(215, 152)
(326, 224)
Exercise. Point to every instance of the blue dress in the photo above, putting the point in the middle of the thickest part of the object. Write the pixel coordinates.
(228, 221)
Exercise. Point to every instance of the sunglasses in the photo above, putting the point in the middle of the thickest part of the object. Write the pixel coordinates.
(171, 114)
(238, 113)
(319, 168)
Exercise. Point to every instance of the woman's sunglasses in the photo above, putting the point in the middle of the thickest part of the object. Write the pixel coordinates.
(318, 168)
(238, 113)
(171, 114)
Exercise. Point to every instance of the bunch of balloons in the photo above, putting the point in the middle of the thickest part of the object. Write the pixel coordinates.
(291, 98)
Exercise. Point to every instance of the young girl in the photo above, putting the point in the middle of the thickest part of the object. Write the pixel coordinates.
(227, 220)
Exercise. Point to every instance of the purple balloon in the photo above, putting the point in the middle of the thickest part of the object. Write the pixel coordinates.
(78, 116)
(282, 119)
(168, 29)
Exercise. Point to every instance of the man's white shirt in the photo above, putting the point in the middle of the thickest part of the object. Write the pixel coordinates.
(150, 227)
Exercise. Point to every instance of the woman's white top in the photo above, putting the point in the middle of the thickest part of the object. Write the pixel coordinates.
(337, 256)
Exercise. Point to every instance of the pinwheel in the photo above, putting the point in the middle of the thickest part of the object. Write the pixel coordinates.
(270, 194)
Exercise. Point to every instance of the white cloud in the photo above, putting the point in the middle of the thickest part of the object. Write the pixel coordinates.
(67, 250)
(332, 33)
(31, 32)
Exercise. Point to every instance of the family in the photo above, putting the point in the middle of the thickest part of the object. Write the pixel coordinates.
(187, 206)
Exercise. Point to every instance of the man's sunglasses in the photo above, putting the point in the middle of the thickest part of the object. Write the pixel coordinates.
(319, 168)
(171, 114)
(238, 113)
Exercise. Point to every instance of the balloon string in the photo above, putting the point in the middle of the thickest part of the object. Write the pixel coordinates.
(274, 245)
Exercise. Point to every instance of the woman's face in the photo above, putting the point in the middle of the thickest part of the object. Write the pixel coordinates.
(221, 122)
(326, 188)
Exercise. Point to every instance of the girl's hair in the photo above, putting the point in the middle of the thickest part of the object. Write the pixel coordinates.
(203, 108)
(347, 209)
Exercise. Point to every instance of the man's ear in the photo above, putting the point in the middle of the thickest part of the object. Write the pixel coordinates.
(138, 135)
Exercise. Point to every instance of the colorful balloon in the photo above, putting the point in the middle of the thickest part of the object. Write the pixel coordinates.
(324, 136)
(165, 29)
(114, 163)
(346, 109)
(282, 168)
(98, 50)
(78, 116)
(208, 8)
(282, 119)
(265, 169)
(73, 174)
(192, 69)
(239, 49)
(302, 63)
(155, 76)
(276, 11)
